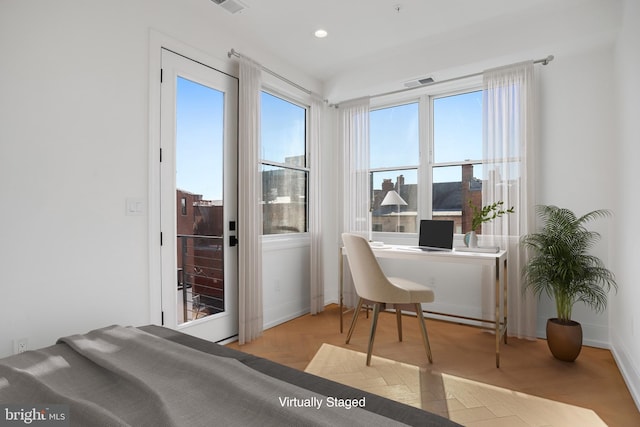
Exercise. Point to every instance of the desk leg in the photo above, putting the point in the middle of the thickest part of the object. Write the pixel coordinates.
(505, 278)
(341, 264)
(497, 314)
(501, 321)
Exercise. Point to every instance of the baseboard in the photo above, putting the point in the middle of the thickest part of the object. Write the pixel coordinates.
(286, 318)
(627, 369)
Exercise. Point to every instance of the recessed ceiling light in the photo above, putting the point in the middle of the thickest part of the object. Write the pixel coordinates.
(320, 34)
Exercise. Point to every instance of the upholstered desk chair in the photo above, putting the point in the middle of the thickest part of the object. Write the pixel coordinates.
(375, 287)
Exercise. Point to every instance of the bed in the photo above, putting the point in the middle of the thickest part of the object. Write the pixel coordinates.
(154, 376)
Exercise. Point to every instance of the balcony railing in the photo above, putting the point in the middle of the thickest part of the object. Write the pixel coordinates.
(200, 275)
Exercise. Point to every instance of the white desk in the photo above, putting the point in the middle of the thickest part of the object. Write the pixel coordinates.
(497, 261)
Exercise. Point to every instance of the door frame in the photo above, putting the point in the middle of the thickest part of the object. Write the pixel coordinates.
(158, 42)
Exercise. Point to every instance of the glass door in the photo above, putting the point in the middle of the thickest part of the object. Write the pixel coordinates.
(198, 198)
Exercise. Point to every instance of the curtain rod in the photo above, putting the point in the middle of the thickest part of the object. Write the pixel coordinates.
(544, 61)
(237, 54)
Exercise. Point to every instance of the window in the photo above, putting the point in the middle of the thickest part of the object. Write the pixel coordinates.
(457, 157)
(183, 205)
(394, 160)
(283, 165)
(453, 170)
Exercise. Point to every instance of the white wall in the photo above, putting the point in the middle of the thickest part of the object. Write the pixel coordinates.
(576, 159)
(625, 316)
(74, 85)
(285, 267)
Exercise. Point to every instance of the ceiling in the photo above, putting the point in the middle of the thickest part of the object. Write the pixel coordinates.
(369, 31)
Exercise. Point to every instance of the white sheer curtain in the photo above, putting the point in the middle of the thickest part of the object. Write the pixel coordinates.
(249, 209)
(315, 213)
(353, 123)
(509, 155)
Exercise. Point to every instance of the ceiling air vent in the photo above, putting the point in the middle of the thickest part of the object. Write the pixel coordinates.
(419, 82)
(231, 6)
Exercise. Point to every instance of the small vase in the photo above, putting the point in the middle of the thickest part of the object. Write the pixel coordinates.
(471, 239)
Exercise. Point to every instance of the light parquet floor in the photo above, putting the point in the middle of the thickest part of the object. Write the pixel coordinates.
(592, 381)
(470, 403)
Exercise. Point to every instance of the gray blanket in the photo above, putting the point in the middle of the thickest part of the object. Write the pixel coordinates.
(120, 376)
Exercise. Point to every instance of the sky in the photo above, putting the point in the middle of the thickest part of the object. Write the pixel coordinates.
(199, 130)
(283, 129)
(457, 127)
(393, 136)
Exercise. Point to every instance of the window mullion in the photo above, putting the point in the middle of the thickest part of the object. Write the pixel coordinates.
(284, 165)
(425, 202)
(395, 168)
(464, 162)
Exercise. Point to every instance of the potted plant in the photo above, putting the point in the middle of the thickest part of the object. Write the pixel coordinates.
(481, 215)
(561, 267)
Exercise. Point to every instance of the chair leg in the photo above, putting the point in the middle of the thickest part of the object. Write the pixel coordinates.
(354, 320)
(423, 328)
(399, 322)
(372, 334)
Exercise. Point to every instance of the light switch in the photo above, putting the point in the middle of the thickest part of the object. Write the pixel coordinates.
(135, 206)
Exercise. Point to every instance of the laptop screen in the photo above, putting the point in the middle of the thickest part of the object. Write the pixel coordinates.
(436, 233)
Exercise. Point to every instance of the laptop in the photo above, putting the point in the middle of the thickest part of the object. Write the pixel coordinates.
(436, 235)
